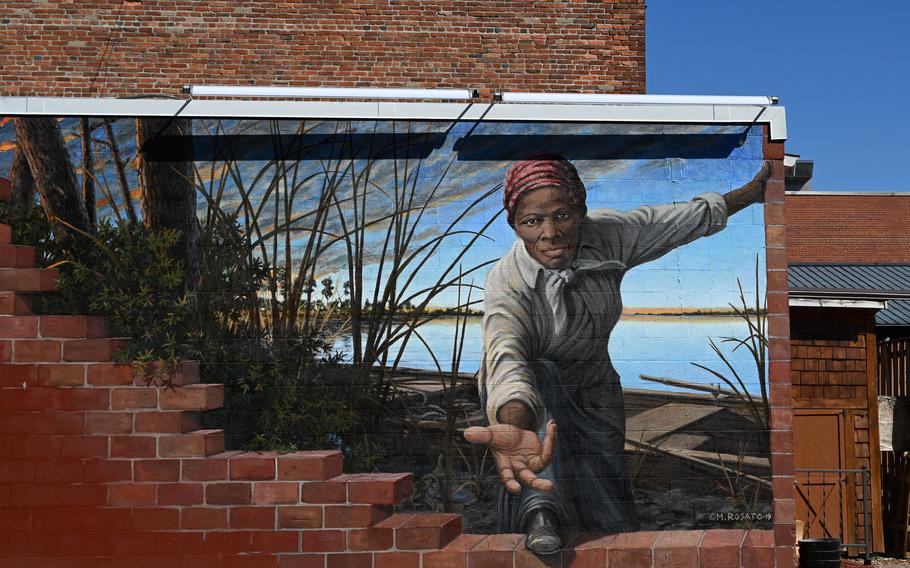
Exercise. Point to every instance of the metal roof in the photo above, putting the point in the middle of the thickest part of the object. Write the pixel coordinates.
(882, 281)
(897, 313)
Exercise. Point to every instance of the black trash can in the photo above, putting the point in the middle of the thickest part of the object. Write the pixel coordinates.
(819, 553)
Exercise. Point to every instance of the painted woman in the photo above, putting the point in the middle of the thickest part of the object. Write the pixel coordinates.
(552, 396)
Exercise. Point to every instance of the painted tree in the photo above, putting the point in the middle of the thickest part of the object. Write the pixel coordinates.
(39, 139)
(167, 193)
(22, 183)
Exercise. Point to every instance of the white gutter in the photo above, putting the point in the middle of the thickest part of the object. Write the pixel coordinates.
(640, 112)
(851, 193)
(519, 97)
(837, 303)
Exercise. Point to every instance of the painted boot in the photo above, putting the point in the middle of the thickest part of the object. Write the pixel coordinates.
(542, 533)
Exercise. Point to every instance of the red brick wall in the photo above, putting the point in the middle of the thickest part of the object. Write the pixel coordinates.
(784, 535)
(848, 228)
(153, 47)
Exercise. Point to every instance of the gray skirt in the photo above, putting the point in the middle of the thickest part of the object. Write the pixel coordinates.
(591, 482)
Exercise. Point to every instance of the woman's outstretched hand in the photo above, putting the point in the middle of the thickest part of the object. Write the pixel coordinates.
(518, 453)
(752, 192)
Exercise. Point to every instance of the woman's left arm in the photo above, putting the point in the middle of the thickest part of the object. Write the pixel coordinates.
(752, 192)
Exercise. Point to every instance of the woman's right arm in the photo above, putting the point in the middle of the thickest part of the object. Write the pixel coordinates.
(508, 340)
(513, 403)
(517, 414)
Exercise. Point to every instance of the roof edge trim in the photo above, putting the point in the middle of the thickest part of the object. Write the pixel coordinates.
(773, 116)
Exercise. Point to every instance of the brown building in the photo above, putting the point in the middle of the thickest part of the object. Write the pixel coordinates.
(849, 282)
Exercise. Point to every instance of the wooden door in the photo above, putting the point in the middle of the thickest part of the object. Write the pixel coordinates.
(824, 501)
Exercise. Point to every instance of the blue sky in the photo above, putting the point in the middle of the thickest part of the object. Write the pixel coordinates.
(838, 67)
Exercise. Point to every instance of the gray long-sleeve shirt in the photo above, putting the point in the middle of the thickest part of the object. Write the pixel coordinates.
(533, 313)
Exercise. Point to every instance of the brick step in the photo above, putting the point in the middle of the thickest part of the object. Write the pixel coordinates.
(6, 234)
(167, 547)
(69, 327)
(26, 279)
(191, 444)
(89, 375)
(194, 443)
(142, 422)
(61, 350)
(180, 374)
(723, 547)
(17, 256)
(12, 303)
(407, 531)
(196, 397)
(361, 488)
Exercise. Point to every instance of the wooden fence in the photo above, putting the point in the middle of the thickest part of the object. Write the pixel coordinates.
(893, 380)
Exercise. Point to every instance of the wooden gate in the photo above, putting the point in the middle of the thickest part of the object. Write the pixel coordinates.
(893, 364)
(823, 502)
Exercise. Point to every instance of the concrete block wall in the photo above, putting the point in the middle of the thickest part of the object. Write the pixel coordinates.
(99, 469)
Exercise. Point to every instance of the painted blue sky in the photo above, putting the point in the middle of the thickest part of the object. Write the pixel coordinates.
(623, 167)
(838, 67)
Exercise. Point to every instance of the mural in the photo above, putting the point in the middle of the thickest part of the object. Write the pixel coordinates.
(557, 327)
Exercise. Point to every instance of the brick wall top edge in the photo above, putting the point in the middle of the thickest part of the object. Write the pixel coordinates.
(848, 228)
(115, 49)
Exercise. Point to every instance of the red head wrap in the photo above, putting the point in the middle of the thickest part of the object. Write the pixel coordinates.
(542, 169)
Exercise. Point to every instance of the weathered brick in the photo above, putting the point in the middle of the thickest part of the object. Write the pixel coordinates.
(204, 469)
(324, 492)
(677, 549)
(322, 541)
(258, 466)
(134, 397)
(300, 517)
(270, 493)
(109, 374)
(133, 446)
(228, 493)
(62, 375)
(354, 516)
(157, 470)
(131, 495)
(108, 422)
(12, 303)
(377, 488)
(632, 549)
(306, 466)
(19, 326)
(37, 350)
(77, 327)
(92, 350)
(17, 256)
(192, 444)
(427, 531)
(180, 493)
(192, 397)
(27, 279)
(252, 517)
(203, 518)
(178, 422)
(589, 47)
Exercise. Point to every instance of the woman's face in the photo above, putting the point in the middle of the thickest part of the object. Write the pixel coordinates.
(549, 224)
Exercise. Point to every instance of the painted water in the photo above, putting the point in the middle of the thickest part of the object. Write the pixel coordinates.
(664, 346)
